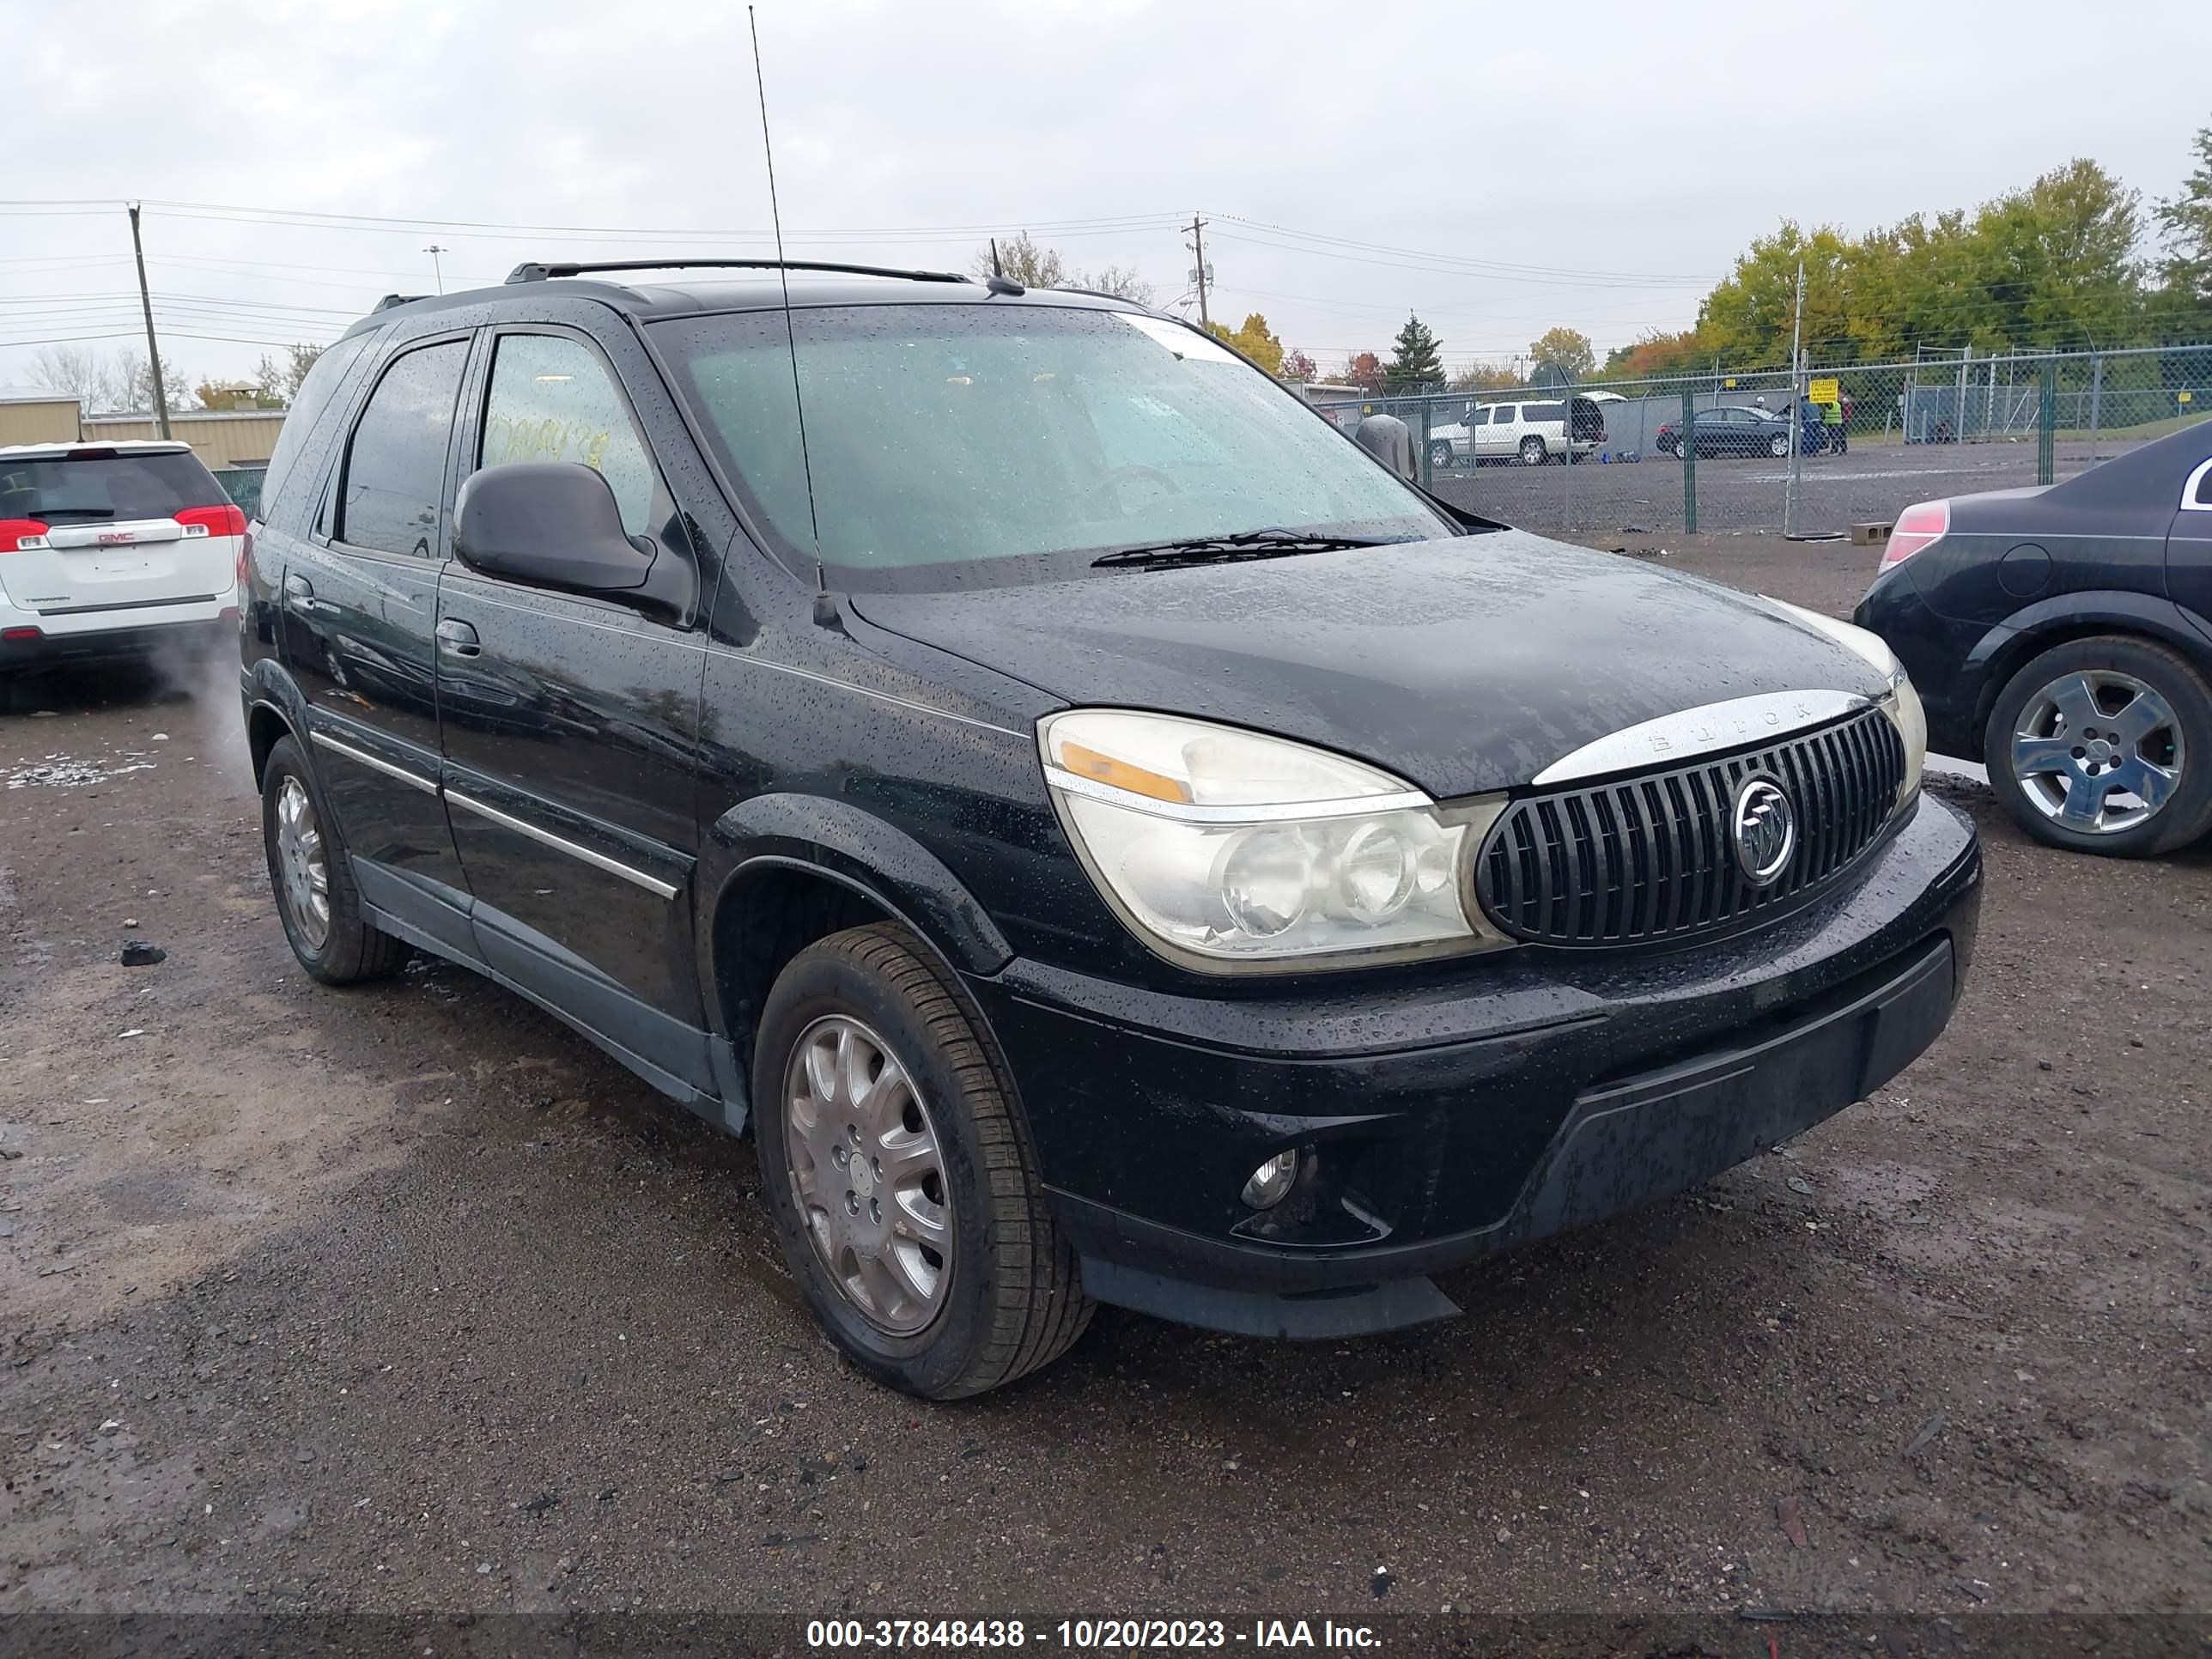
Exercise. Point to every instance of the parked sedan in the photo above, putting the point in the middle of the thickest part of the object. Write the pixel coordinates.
(2064, 637)
(1731, 431)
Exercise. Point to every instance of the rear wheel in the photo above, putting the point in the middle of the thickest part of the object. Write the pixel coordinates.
(316, 898)
(1440, 457)
(1778, 446)
(901, 1181)
(2104, 746)
(1532, 451)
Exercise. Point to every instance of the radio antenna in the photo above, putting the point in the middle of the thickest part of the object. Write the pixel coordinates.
(783, 274)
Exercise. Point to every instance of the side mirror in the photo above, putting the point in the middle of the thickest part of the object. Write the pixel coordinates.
(552, 524)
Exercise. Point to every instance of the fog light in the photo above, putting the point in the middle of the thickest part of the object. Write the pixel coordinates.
(1270, 1182)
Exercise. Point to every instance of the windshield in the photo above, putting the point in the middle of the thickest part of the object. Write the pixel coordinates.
(958, 443)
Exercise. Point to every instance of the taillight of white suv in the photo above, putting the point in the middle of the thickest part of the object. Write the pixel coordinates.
(1919, 526)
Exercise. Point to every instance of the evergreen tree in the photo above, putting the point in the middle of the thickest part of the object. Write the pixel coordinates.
(2185, 221)
(1417, 361)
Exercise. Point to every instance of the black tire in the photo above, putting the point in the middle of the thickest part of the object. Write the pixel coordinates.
(1440, 457)
(350, 951)
(1533, 451)
(1015, 1301)
(2184, 815)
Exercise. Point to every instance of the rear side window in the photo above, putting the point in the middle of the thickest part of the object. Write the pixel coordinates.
(1543, 412)
(111, 484)
(552, 400)
(395, 467)
(315, 393)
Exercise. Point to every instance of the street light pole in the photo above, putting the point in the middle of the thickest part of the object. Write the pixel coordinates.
(437, 270)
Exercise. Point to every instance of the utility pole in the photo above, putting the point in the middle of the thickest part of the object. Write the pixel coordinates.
(1197, 229)
(146, 307)
(439, 271)
(1796, 405)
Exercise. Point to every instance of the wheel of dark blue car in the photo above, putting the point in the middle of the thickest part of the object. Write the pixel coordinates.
(899, 1175)
(2104, 746)
(1778, 445)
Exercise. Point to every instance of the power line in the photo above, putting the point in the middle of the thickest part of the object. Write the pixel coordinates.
(1609, 277)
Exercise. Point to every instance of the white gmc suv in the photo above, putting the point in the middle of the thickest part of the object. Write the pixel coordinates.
(112, 552)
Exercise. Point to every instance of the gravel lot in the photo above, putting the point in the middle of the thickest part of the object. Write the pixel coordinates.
(406, 1299)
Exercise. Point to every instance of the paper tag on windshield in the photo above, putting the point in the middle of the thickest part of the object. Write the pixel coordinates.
(1186, 343)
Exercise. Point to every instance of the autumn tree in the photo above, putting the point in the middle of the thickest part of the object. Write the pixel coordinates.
(1485, 377)
(1654, 354)
(1566, 351)
(1255, 341)
(1296, 366)
(1418, 360)
(229, 395)
(1363, 369)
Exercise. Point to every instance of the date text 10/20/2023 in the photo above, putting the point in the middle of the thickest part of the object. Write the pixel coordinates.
(1085, 1635)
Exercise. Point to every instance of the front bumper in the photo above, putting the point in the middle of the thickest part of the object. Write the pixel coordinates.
(1445, 1118)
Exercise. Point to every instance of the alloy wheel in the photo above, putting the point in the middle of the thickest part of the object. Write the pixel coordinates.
(867, 1174)
(2098, 752)
(302, 863)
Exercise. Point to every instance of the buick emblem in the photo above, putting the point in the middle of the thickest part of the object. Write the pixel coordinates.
(1765, 830)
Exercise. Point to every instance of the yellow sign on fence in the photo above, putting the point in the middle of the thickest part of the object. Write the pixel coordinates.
(2182, 397)
(1823, 391)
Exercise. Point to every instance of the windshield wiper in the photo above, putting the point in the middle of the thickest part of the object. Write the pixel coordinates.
(1244, 544)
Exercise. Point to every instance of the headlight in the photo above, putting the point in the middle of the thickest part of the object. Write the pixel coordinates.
(1901, 703)
(1226, 850)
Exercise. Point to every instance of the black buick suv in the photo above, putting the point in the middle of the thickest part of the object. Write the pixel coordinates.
(1105, 836)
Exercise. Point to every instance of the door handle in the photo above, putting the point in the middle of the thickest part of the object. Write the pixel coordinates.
(458, 639)
(298, 593)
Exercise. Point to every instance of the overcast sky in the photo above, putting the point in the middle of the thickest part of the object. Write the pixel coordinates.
(1505, 167)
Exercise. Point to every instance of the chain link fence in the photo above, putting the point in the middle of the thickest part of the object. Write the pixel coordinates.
(1767, 454)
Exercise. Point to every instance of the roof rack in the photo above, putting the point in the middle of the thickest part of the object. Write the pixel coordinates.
(537, 271)
(392, 299)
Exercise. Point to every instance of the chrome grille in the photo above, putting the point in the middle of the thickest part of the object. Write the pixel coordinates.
(1650, 856)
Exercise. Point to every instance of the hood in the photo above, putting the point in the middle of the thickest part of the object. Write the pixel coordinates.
(1462, 665)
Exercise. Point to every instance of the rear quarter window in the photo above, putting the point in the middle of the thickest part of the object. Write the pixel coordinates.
(1543, 412)
(332, 370)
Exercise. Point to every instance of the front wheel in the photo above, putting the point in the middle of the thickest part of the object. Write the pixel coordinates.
(2104, 746)
(1440, 457)
(901, 1179)
(316, 898)
(1778, 446)
(1532, 451)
